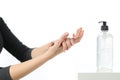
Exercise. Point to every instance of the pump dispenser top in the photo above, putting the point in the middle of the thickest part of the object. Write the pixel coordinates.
(104, 27)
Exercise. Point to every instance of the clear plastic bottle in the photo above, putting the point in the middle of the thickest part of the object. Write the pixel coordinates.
(104, 50)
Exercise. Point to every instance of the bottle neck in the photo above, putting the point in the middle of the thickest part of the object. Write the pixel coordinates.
(104, 31)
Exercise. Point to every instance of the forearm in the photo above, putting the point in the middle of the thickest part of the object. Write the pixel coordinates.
(20, 70)
(40, 50)
(43, 49)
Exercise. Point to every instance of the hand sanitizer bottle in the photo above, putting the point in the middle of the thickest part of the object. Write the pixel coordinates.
(104, 50)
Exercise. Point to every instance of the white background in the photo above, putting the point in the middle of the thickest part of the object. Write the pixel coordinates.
(36, 22)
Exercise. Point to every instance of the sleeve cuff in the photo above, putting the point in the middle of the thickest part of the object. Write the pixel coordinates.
(5, 74)
(27, 55)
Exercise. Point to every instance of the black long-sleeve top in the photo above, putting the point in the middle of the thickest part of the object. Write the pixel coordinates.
(11, 43)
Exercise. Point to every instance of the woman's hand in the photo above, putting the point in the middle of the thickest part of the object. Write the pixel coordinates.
(64, 43)
(55, 46)
(69, 42)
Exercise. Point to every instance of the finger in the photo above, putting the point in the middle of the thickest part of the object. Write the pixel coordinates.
(72, 41)
(78, 30)
(78, 33)
(68, 43)
(82, 32)
(56, 44)
(63, 37)
(64, 46)
(80, 37)
(73, 35)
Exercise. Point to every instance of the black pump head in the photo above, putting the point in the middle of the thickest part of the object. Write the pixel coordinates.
(104, 27)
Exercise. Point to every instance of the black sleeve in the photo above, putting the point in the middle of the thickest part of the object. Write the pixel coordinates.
(4, 73)
(13, 45)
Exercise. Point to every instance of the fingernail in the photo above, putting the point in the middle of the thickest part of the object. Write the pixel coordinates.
(66, 33)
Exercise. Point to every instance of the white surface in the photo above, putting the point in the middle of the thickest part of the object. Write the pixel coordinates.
(36, 22)
(99, 76)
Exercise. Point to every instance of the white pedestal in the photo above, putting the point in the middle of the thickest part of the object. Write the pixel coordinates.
(98, 76)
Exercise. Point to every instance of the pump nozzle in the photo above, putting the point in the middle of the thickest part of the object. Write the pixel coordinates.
(104, 27)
